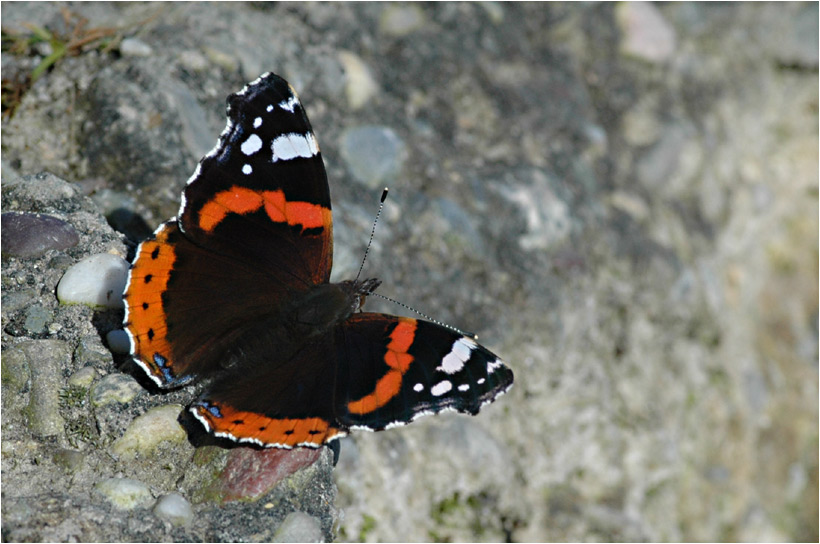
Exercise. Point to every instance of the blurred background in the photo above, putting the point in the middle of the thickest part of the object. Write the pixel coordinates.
(620, 199)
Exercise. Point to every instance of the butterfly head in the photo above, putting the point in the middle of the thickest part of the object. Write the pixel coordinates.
(358, 290)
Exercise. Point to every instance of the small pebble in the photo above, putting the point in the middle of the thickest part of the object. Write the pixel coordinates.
(37, 318)
(118, 341)
(149, 430)
(373, 154)
(224, 60)
(193, 60)
(124, 493)
(646, 33)
(299, 527)
(70, 460)
(133, 47)
(495, 11)
(120, 388)
(83, 377)
(360, 87)
(175, 509)
(90, 350)
(401, 19)
(32, 234)
(97, 280)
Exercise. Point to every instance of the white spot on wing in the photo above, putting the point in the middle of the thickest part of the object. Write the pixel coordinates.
(459, 354)
(247, 169)
(495, 365)
(257, 122)
(289, 104)
(480, 381)
(251, 145)
(290, 146)
(464, 387)
(418, 387)
(269, 108)
(440, 388)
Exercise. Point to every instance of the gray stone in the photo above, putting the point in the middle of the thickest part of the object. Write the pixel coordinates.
(69, 460)
(118, 341)
(37, 191)
(17, 300)
(373, 154)
(148, 431)
(115, 388)
(45, 361)
(90, 350)
(84, 377)
(37, 318)
(15, 367)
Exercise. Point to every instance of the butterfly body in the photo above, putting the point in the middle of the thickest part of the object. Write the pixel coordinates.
(235, 290)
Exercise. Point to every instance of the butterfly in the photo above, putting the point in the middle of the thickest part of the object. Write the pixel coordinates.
(235, 290)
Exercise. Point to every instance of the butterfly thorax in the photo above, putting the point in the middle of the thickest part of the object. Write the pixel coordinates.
(328, 304)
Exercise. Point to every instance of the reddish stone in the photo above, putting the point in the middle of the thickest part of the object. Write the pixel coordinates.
(251, 473)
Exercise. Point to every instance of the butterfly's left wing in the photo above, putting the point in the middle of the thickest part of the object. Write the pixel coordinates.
(254, 232)
(374, 371)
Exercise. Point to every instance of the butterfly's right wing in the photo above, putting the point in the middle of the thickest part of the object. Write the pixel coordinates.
(393, 370)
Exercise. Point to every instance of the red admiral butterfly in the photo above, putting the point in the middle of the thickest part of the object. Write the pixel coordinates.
(235, 290)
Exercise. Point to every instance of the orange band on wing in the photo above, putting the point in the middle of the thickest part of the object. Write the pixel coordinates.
(249, 426)
(241, 200)
(146, 317)
(398, 360)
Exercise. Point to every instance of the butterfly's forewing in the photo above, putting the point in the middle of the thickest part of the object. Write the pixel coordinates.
(254, 230)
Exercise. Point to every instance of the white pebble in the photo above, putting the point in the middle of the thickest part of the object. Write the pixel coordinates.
(98, 280)
(299, 527)
(175, 509)
(124, 493)
(132, 47)
(360, 86)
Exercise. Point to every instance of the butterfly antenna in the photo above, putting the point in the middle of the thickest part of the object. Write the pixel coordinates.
(372, 232)
(425, 316)
(402, 304)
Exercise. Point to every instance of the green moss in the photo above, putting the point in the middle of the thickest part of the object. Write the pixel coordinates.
(73, 397)
(368, 524)
(470, 513)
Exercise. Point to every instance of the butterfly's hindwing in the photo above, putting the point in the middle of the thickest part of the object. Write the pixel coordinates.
(395, 369)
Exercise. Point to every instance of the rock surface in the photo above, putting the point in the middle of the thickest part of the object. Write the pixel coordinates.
(620, 199)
